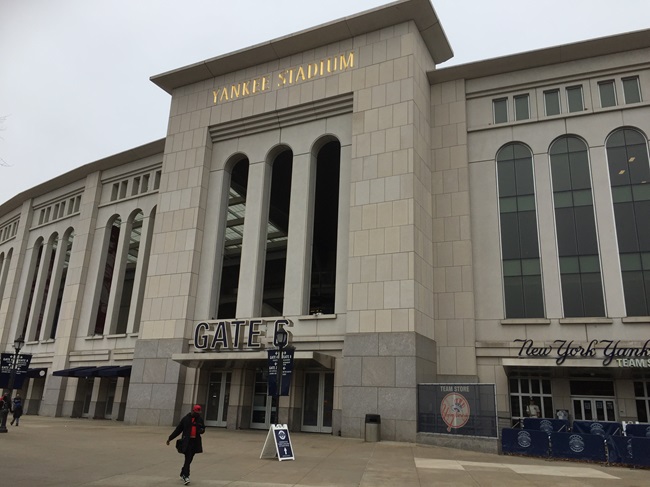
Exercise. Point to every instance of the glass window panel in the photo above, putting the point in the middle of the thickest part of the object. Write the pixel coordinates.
(525, 387)
(626, 227)
(580, 170)
(642, 214)
(514, 297)
(552, 102)
(528, 234)
(507, 153)
(530, 267)
(560, 146)
(641, 411)
(506, 173)
(515, 406)
(510, 236)
(607, 93)
(633, 137)
(589, 263)
(569, 265)
(524, 176)
(637, 162)
(561, 172)
(526, 203)
(533, 299)
(592, 293)
(645, 261)
(547, 406)
(522, 111)
(635, 295)
(520, 151)
(572, 296)
(631, 90)
(546, 386)
(563, 200)
(512, 268)
(616, 139)
(622, 194)
(618, 166)
(535, 386)
(508, 205)
(641, 192)
(639, 390)
(500, 108)
(630, 262)
(586, 230)
(566, 231)
(514, 386)
(574, 144)
(574, 98)
(582, 198)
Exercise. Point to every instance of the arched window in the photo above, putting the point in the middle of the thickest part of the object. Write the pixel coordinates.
(50, 259)
(519, 242)
(5, 261)
(231, 264)
(37, 253)
(128, 273)
(582, 290)
(629, 174)
(110, 254)
(66, 246)
(325, 229)
(277, 232)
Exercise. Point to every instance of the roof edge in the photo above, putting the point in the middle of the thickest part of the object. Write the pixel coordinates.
(419, 11)
(140, 152)
(599, 46)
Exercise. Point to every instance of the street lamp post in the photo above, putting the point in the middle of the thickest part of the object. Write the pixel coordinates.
(18, 345)
(281, 338)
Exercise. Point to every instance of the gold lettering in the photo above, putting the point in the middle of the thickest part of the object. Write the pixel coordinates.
(215, 94)
(224, 94)
(301, 74)
(244, 88)
(234, 91)
(312, 70)
(281, 79)
(265, 79)
(330, 68)
(350, 61)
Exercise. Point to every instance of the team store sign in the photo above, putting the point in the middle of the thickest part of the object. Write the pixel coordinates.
(611, 351)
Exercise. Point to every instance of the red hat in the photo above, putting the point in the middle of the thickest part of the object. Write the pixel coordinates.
(196, 408)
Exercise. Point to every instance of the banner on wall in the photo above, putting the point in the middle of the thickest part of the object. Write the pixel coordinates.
(457, 409)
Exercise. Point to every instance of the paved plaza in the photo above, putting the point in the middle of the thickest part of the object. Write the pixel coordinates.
(47, 452)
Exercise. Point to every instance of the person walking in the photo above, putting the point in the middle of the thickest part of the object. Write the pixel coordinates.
(17, 410)
(191, 426)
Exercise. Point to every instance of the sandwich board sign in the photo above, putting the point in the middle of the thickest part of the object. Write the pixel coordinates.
(278, 443)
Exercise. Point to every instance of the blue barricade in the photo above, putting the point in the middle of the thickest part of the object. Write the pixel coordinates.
(578, 446)
(640, 451)
(606, 429)
(602, 428)
(641, 430)
(620, 450)
(533, 443)
(546, 425)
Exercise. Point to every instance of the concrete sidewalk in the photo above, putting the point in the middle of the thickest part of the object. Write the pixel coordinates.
(46, 452)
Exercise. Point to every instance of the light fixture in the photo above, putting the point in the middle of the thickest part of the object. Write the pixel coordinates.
(18, 343)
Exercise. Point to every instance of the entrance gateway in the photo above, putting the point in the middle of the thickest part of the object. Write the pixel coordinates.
(240, 388)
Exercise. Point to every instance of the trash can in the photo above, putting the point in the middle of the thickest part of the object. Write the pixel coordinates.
(373, 427)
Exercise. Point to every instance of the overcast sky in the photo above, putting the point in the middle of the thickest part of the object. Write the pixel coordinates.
(74, 74)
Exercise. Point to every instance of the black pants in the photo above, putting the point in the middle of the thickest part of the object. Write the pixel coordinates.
(189, 456)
